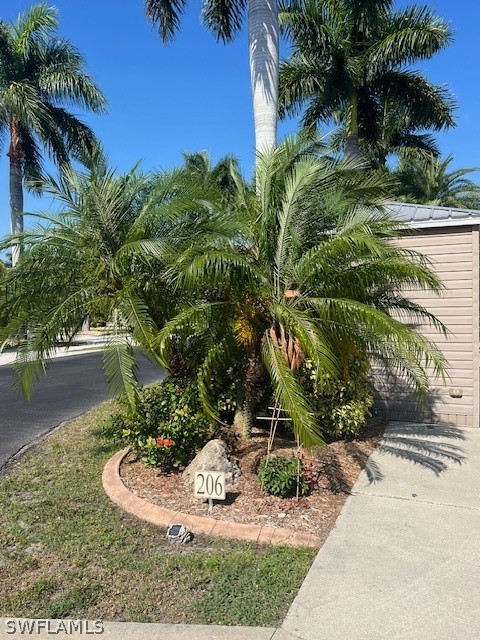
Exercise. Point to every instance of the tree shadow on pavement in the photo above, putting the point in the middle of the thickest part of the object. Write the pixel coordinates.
(430, 446)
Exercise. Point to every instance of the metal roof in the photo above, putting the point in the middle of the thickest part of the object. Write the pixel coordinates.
(424, 216)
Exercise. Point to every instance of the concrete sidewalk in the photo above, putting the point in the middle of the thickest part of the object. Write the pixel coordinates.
(84, 343)
(402, 561)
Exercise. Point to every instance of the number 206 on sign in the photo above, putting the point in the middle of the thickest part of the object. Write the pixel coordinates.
(210, 484)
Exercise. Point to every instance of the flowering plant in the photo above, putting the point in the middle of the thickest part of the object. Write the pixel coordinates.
(167, 427)
(164, 442)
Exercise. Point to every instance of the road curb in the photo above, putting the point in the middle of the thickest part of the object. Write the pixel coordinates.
(162, 517)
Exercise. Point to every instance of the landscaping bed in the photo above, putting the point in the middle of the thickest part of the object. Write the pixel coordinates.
(334, 471)
(67, 551)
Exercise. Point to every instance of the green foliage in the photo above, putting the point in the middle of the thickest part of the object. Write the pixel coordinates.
(167, 426)
(238, 291)
(87, 557)
(294, 268)
(341, 404)
(42, 74)
(425, 179)
(280, 476)
(351, 62)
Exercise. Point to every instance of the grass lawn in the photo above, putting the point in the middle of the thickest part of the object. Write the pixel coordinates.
(67, 551)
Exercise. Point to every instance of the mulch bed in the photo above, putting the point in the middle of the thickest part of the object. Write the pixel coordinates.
(335, 470)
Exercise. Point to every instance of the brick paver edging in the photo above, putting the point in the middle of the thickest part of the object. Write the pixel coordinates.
(153, 513)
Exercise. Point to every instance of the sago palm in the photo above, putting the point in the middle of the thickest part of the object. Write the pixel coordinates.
(306, 268)
(41, 77)
(351, 63)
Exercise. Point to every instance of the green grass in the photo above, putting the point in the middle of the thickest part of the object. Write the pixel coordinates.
(67, 551)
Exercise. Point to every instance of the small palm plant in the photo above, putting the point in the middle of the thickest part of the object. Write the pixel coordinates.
(304, 270)
(250, 286)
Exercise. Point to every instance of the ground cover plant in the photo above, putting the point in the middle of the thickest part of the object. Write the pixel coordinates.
(67, 551)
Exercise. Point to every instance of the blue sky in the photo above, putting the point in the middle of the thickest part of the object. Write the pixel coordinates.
(194, 94)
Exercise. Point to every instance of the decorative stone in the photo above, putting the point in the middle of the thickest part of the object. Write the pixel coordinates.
(213, 457)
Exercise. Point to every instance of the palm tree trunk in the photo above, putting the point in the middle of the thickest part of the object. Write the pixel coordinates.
(352, 147)
(16, 156)
(264, 63)
(248, 395)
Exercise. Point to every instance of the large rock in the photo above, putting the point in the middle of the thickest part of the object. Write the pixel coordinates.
(213, 457)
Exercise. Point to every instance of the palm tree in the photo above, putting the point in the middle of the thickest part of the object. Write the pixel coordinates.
(225, 20)
(40, 72)
(351, 63)
(425, 179)
(198, 165)
(107, 248)
(255, 287)
(392, 133)
(285, 283)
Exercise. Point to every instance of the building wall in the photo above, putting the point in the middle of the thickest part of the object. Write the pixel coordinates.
(454, 253)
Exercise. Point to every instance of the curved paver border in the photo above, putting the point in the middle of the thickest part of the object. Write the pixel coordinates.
(160, 516)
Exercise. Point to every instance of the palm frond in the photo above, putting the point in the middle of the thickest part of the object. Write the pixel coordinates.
(165, 15)
(289, 393)
(223, 17)
(36, 23)
(120, 366)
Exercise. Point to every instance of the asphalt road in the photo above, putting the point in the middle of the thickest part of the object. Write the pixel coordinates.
(72, 385)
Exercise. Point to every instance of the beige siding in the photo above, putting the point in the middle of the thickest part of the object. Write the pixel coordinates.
(454, 254)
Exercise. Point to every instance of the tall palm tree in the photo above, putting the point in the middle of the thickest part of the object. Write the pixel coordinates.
(291, 281)
(425, 179)
(225, 20)
(351, 61)
(40, 73)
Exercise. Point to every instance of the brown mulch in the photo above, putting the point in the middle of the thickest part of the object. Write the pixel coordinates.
(335, 470)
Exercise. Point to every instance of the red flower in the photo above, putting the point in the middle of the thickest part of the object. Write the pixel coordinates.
(164, 442)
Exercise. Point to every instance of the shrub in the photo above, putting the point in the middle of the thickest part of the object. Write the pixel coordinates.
(279, 476)
(341, 404)
(167, 427)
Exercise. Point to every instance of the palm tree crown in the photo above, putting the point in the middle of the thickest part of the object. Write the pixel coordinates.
(287, 277)
(351, 63)
(40, 75)
(426, 179)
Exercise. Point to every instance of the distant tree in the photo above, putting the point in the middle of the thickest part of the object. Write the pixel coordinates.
(427, 180)
(350, 62)
(219, 175)
(40, 72)
(393, 133)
